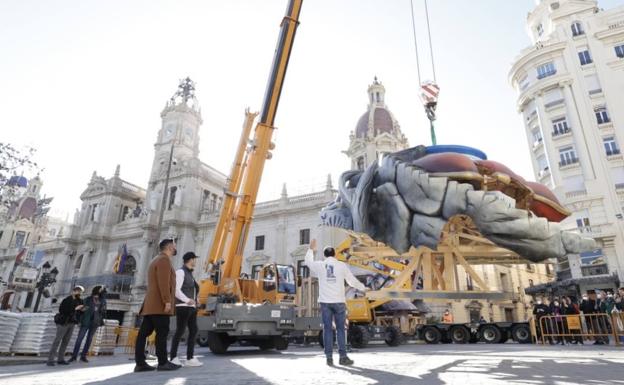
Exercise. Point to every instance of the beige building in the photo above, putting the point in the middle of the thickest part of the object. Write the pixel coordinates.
(570, 85)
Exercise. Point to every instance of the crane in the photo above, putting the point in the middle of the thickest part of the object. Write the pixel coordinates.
(258, 311)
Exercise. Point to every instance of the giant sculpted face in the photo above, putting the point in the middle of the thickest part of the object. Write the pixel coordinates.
(407, 200)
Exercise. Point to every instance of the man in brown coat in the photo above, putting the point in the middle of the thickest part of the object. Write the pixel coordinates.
(157, 308)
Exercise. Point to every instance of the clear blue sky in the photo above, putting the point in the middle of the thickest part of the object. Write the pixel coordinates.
(84, 81)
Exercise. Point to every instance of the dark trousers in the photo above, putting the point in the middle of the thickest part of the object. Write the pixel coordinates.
(185, 316)
(63, 335)
(336, 312)
(84, 331)
(160, 323)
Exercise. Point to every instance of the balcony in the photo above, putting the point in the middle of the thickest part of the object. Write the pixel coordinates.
(568, 162)
(591, 270)
(605, 230)
(564, 274)
(118, 286)
(561, 132)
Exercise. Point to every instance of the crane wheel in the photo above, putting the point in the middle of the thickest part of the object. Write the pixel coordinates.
(490, 334)
(394, 337)
(218, 342)
(358, 336)
(521, 334)
(432, 335)
(460, 334)
(202, 340)
(280, 343)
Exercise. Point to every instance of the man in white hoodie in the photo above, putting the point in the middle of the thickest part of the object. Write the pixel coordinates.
(332, 275)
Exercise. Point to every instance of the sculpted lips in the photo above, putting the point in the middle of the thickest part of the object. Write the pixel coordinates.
(407, 200)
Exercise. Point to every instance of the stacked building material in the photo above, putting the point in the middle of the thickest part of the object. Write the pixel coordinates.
(105, 338)
(35, 334)
(9, 324)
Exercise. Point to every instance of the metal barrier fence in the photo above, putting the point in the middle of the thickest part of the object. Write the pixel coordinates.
(581, 327)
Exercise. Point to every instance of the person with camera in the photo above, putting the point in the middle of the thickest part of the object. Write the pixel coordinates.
(91, 319)
(65, 320)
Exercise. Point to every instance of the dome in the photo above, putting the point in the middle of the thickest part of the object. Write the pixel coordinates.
(19, 181)
(382, 122)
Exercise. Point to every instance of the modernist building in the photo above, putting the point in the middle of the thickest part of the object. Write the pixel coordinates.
(571, 86)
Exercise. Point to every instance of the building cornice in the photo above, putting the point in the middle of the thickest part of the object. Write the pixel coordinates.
(539, 51)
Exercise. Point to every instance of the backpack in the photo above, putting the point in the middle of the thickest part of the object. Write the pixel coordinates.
(59, 319)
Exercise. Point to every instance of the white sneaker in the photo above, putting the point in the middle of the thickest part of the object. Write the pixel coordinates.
(193, 362)
(176, 361)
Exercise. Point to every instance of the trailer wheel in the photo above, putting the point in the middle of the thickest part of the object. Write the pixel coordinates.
(358, 336)
(218, 342)
(266, 345)
(521, 334)
(394, 337)
(432, 335)
(490, 334)
(460, 334)
(202, 340)
(280, 343)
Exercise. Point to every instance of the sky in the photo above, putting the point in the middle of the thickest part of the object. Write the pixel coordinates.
(84, 81)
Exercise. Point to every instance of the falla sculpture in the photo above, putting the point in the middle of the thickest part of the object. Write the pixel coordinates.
(408, 198)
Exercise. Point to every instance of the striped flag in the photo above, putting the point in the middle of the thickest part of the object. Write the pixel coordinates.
(120, 260)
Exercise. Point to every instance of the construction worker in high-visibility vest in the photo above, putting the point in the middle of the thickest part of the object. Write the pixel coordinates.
(447, 318)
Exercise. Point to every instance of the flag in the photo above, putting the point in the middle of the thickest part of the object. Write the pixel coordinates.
(122, 260)
(117, 262)
(19, 258)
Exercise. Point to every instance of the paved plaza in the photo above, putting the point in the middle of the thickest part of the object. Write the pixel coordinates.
(408, 364)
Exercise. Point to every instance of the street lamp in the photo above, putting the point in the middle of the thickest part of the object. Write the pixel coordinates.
(48, 277)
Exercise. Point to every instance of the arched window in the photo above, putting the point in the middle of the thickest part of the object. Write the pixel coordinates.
(129, 266)
(577, 29)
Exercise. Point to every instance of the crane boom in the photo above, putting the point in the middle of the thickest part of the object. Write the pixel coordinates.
(231, 235)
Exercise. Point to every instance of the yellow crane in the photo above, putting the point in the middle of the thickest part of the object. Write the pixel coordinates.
(257, 311)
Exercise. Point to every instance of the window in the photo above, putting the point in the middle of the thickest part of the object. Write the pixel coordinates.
(93, 211)
(529, 267)
(619, 51)
(78, 264)
(546, 70)
(19, 239)
(530, 282)
(205, 196)
(213, 203)
(469, 283)
(255, 271)
(360, 163)
(259, 242)
(582, 219)
(540, 30)
(602, 116)
(537, 136)
(548, 269)
(610, 145)
(577, 29)
(302, 270)
(560, 126)
(172, 196)
(304, 236)
(567, 155)
(585, 57)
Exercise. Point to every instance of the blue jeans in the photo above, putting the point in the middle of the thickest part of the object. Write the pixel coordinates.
(89, 332)
(336, 312)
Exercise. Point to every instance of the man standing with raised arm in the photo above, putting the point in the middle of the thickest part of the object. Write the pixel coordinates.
(332, 275)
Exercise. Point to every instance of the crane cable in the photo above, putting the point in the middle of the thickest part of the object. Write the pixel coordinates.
(430, 45)
(415, 41)
(428, 90)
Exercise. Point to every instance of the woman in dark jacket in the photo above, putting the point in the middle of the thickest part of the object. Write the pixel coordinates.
(92, 318)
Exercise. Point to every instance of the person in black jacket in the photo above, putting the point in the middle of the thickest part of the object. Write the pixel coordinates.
(540, 310)
(65, 321)
(91, 318)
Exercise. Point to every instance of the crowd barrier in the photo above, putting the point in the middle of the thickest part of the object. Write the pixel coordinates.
(599, 327)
